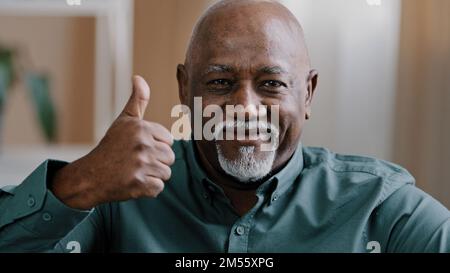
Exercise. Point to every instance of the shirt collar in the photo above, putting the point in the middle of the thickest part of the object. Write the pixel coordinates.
(276, 185)
(285, 177)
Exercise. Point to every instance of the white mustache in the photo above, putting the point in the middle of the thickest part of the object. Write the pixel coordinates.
(264, 129)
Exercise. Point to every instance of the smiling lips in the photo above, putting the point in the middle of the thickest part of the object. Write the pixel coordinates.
(245, 130)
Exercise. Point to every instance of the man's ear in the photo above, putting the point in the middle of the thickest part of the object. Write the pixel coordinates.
(182, 79)
(311, 85)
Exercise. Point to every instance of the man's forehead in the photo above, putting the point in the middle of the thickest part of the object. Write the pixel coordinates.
(256, 32)
(268, 57)
(243, 49)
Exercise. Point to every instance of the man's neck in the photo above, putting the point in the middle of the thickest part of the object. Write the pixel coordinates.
(242, 196)
(242, 200)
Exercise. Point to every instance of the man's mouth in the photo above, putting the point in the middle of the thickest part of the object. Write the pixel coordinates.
(248, 131)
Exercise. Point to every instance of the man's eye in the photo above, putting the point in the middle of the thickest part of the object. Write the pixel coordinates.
(273, 84)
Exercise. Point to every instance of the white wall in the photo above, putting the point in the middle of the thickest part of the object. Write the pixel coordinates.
(355, 48)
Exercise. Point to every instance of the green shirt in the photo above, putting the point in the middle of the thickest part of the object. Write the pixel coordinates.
(319, 202)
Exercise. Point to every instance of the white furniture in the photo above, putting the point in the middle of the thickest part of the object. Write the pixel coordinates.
(113, 71)
(114, 47)
(16, 163)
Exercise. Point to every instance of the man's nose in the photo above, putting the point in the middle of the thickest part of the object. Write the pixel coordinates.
(247, 103)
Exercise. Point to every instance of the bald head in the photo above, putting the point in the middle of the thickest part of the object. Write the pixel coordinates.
(259, 22)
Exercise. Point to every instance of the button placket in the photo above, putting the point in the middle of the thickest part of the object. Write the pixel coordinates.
(275, 197)
(240, 230)
(46, 216)
(238, 240)
(31, 201)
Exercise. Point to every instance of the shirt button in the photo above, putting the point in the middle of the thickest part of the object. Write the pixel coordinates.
(46, 216)
(240, 230)
(274, 197)
(205, 195)
(31, 201)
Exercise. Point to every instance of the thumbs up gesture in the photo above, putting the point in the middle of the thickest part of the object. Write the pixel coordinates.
(139, 99)
(131, 161)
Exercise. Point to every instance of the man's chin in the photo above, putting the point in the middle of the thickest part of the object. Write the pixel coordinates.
(244, 161)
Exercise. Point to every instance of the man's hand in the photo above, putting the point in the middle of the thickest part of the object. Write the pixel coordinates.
(132, 160)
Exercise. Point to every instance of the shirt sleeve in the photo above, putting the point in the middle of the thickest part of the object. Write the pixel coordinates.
(32, 219)
(412, 221)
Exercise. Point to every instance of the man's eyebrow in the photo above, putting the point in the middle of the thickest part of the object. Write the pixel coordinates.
(218, 68)
(272, 70)
(222, 68)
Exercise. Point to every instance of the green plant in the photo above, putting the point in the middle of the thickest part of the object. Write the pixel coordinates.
(37, 87)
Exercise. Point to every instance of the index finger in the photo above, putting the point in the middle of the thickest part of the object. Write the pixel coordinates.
(160, 133)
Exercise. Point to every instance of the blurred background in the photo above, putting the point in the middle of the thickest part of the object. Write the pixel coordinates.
(384, 85)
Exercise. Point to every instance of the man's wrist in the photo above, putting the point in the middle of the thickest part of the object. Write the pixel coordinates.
(71, 187)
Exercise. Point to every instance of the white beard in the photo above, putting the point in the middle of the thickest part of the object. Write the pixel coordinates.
(246, 168)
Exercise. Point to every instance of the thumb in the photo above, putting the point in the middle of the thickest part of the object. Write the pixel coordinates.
(139, 98)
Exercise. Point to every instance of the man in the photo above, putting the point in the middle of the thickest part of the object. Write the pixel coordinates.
(139, 191)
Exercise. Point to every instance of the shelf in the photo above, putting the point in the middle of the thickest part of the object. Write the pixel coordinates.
(53, 8)
(113, 42)
(16, 163)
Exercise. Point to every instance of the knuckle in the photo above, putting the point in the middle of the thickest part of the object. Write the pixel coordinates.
(159, 187)
(166, 174)
(140, 136)
(155, 188)
(139, 124)
(171, 140)
(141, 163)
(166, 154)
(140, 146)
(138, 129)
(137, 180)
(171, 155)
(154, 125)
(137, 161)
(163, 171)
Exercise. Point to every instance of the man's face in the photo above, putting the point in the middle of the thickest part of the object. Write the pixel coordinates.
(257, 63)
